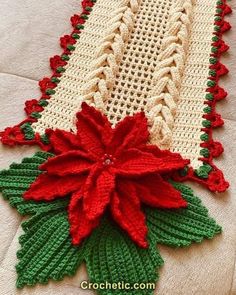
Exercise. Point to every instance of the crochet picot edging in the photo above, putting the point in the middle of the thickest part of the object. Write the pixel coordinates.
(208, 174)
(23, 133)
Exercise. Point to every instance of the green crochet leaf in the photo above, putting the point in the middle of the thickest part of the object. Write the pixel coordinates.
(47, 253)
(181, 227)
(46, 250)
(114, 258)
(17, 179)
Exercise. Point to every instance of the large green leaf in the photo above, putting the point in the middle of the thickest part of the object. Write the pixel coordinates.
(17, 179)
(47, 253)
(112, 257)
(181, 227)
(46, 249)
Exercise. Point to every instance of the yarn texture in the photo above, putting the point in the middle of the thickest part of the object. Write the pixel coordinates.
(102, 166)
(110, 255)
(126, 116)
(126, 56)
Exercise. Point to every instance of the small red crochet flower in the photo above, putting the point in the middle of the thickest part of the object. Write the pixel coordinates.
(101, 168)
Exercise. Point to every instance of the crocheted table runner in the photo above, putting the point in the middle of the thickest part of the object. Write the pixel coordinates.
(127, 115)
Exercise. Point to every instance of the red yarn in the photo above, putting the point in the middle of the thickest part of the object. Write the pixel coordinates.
(216, 181)
(46, 83)
(76, 19)
(14, 135)
(220, 69)
(215, 148)
(56, 62)
(66, 40)
(102, 167)
(32, 106)
(216, 119)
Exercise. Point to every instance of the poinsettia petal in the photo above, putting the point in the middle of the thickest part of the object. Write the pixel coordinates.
(74, 162)
(130, 132)
(94, 130)
(63, 141)
(156, 151)
(80, 225)
(49, 187)
(154, 191)
(97, 191)
(125, 208)
(134, 162)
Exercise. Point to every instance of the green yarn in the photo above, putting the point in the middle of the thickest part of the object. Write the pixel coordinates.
(60, 70)
(65, 57)
(215, 38)
(214, 49)
(218, 18)
(114, 258)
(50, 91)
(46, 250)
(213, 60)
(84, 16)
(88, 8)
(80, 27)
(44, 138)
(204, 137)
(76, 36)
(209, 96)
(203, 171)
(207, 109)
(28, 131)
(70, 47)
(205, 152)
(206, 123)
(55, 80)
(182, 227)
(43, 102)
(110, 255)
(35, 115)
(211, 83)
(212, 73)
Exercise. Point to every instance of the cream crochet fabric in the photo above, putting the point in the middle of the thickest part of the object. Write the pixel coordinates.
(188, 122)
(140, 55)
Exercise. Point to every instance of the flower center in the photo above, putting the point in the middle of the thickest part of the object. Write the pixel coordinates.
(108, 160)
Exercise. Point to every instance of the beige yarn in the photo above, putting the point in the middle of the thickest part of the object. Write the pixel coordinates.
(188, 122)
(106, 64)
(65, 103)
(160, 70)
(140, 55)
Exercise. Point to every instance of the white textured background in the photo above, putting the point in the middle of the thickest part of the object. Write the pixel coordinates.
(29, 33)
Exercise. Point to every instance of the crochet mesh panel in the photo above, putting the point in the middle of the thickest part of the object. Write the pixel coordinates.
(134, 80)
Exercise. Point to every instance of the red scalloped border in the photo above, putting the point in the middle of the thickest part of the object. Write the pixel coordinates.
(215, 180)
(211, 149)
(16, 135)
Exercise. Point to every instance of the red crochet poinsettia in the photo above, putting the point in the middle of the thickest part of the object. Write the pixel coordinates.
(103, 167)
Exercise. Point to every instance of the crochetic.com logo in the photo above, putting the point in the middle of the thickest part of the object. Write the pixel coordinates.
(85, 285)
